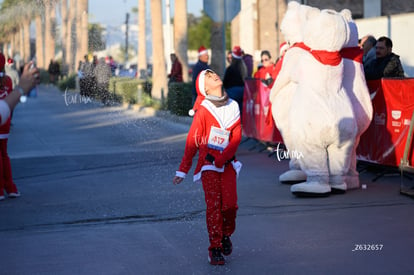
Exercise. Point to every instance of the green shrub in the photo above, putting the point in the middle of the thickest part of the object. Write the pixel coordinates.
(179, 99)
(67, 83)
(131, 90)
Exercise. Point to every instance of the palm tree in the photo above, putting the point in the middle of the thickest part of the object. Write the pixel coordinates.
(159, 77)
(81, 47)
(26, 39)
(49, 37)
(180, 35)
(39, 40)
(64, 30)
(70, 35)
(142, 40)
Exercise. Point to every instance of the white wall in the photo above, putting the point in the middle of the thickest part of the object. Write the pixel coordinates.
(397, 27)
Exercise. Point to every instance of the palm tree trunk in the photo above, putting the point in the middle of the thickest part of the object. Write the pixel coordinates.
(26, 40)
(159, 77)
(70, 36)
(142, 40)
(39, 42)
(50, 17)
(180, 35)
(81, 29)
(64, 30)
(21, 41)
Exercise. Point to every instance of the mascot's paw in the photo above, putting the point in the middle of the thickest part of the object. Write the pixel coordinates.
(352, 182)
(292, 177)
(311, 189)
(338, 184)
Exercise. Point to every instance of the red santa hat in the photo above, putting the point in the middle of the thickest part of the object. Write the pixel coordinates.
(201, 91)
(283, 48)
(237, 52)
(202, 50)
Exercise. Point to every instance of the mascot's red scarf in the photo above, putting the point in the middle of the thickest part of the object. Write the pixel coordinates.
(333, 58)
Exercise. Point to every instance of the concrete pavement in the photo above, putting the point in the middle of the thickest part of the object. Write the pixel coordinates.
(97, 198)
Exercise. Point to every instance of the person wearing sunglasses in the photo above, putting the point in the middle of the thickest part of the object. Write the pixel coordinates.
(266, 69)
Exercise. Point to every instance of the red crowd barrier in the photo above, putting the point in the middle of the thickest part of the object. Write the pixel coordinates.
(382, 143)
(393, 103)
(257, 117)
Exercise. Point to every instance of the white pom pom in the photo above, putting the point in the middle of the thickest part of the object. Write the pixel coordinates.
(191, 112)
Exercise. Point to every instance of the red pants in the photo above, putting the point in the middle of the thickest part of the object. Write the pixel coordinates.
(220, 192)
(6, 180)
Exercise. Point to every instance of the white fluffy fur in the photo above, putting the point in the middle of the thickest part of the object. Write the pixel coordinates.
(283, 89)
(357, 90)
(318, 118)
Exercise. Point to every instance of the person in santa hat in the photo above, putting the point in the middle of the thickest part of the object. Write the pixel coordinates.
(235, 75)
(216, 134)
(202, 64)
(11, 71)
(276, 69)
(6, 180)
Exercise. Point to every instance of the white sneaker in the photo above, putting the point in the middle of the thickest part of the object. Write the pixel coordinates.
(2, 198)
(14, 195)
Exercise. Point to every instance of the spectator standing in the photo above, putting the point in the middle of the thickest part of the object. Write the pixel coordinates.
(112, 64)
(276, 69)
(216, 142)
(86, 77)
(386, 63)
(229, 57)
(248, 60)
(102, 72)
(368, 44)
(202, 64)
(11, 71)
(176, 74)
(234, 76)
(266, 70)
(54, 71)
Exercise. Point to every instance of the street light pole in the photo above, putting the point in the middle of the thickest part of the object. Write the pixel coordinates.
(126, 36)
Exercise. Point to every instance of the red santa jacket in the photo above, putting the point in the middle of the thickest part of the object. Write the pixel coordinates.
(202, 137)
(6, 87)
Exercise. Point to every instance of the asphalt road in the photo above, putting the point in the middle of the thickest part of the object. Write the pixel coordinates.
(97, 198)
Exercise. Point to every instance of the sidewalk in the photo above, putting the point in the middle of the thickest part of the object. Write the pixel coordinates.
(97, 198)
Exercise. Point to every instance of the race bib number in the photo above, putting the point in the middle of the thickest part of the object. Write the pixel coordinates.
(218, 138)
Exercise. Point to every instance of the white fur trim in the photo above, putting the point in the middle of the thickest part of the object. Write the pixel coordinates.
(201, 82)
(293, 175)
(209, 167)
(237, 166)
(180, 174)
(311, 188)
(4, 136)
(202, 52)
(224, 115)
(236, 56)
(4, 112)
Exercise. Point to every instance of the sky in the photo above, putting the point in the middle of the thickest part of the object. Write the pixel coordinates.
(113, 12)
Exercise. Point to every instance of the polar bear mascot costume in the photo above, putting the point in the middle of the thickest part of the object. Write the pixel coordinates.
(357, 90)
(322, 125)
(283, 89)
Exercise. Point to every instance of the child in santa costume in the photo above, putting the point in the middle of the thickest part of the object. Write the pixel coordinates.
(216, 134)
(6, 180)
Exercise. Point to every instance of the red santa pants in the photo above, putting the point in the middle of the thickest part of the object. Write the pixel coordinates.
(6, 180)
(220, 192)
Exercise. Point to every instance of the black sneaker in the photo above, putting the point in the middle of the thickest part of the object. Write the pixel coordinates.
(227, 245)
(215, 257)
